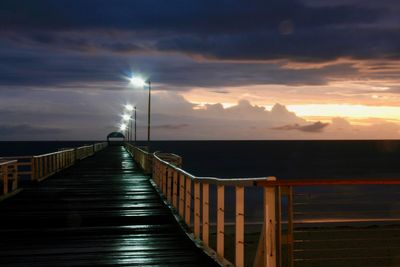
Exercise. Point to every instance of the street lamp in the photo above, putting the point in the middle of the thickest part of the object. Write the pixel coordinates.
(137, 81)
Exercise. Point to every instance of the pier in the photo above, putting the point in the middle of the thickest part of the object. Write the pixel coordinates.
(122, 205)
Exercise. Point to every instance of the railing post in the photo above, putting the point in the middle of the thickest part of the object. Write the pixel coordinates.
(169, 185)
(239, 227)
(269, 223)
(164, 181)
(175, 189)
(4, 172)
(15, 177)
(40, 167)
(206, 214)
(58, 161)
(220, 220)
(33, 168)
(196, 209)
(45, 166)
(290, 227)
(188, 201)
(266, 255)
(181, 195)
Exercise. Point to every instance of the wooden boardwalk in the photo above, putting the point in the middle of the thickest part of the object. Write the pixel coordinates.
(101, 211)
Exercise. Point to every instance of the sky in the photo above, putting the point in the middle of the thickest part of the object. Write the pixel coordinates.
(255, 69)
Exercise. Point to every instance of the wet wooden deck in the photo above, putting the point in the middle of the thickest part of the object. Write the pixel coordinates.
(102, 211)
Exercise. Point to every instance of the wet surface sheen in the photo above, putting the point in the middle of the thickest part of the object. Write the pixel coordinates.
(102, 211)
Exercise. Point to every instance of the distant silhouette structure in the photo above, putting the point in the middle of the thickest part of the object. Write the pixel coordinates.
(115, 138)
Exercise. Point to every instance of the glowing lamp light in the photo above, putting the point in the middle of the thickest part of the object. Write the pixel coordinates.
(123, 127)
(137, 81)
(126, 117)
(129, 107)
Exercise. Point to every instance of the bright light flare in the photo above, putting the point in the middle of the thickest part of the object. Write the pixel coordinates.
(137, 81)
(129, 107)
(126, 117)
(123, 127)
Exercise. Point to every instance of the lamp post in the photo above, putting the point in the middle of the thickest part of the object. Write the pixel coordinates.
(148, 114)
(135, 125)
(130, 108)
(137, 81)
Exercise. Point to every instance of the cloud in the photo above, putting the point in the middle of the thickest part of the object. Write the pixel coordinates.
(171, 126)
(101, 71)
(92, 116)
(255, 30)
(314, 127)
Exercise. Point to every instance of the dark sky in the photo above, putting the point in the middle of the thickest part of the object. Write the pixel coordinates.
(68, 60)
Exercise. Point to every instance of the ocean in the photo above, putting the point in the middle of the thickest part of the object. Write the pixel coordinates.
(240, 159)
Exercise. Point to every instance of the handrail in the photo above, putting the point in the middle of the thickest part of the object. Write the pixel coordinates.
(313, 182)
(7, 162)
(214, 180)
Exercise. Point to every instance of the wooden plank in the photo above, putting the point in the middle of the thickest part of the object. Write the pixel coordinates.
(94, 213)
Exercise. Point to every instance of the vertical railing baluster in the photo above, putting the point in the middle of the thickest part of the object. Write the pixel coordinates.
(169, 185)
(196, 209)
(164, 188)
(206, 214)
(4, 172)
(188, 200)
(175, 189)
(181, 195)
(290, 239)
(239, 226)
(15, 177)
(220, 220)
(279, 228)
(269, 224)
(41, 167)
(32, 168)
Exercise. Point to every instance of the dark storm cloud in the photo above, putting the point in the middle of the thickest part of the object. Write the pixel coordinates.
(183, 16)
(71, 70)
(217, 29)
(306, 45)
(75, 43)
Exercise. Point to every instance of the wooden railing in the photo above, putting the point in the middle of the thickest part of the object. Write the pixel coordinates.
(84, 152)
(48, 164)
(178, 187)
(40, 167)
(142, 157)
(282, 204)
(9, 177)
(99, 146)
(324, 207)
